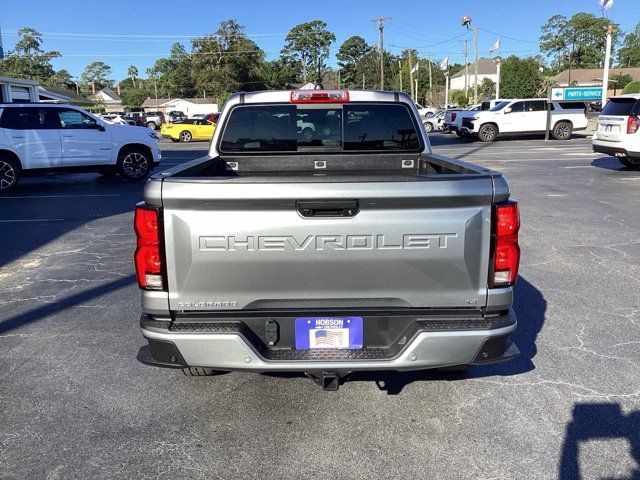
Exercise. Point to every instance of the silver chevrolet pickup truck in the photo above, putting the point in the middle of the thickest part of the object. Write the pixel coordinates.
(351, 248)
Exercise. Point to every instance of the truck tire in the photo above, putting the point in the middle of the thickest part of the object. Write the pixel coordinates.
(134, 163)
(9, 173)
(488, 132)
(630, 163)
(201, 372)
(152, 125)
(428, 127)
(185, 136)
(562, 131)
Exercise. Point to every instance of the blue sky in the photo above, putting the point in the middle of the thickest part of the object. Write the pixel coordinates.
(79, 30)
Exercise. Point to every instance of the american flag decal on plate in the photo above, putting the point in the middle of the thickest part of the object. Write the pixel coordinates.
(334, 338)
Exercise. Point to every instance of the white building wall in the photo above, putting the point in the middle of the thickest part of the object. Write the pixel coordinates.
(457, 83)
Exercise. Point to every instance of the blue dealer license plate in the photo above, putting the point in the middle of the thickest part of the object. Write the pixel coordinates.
(328, 332)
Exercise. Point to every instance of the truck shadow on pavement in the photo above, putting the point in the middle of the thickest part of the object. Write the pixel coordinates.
(62, 304)
(599, 421)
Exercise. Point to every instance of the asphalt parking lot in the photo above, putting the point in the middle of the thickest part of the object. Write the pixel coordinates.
(75, 403)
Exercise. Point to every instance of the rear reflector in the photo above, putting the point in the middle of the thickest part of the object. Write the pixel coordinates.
(319, 96)
(148, 257)
(633, 123)
(506, 251)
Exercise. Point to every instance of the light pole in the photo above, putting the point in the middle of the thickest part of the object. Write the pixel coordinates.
(498, 61)
(465, 22)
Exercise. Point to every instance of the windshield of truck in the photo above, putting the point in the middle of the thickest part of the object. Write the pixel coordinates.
(498, 106)
(320, 128)
(619, 106)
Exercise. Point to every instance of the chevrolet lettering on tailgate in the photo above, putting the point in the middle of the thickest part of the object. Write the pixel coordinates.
(325, 242)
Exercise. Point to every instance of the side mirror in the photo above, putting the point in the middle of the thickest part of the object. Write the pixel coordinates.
(101, 127)
(507, 110)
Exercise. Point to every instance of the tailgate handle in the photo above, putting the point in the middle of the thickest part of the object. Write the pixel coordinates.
(327, 208)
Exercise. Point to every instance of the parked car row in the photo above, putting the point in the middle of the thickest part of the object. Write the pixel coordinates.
(493, 118)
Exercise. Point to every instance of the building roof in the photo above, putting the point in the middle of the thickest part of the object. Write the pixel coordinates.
(486, 66)
(111, 94)
(151, 102)
(594, 75)
(63, 94)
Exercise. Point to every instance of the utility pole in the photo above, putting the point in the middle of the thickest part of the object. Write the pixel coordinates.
(338, 79)
(363, 81)
(607, 61)
(1, 50)
(381, 36)
(416, 90)
(411, 75)
(475, 50)
(466, 68)
(400, 72)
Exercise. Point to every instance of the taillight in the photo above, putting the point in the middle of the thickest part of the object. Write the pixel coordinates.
(148, 257)
(453, 116)
(319, 96)
(633, 123)
(506, 251)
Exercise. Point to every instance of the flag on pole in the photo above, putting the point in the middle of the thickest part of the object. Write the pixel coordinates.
(444, 64)
(496, 46)
(605, 4)
(415, 69)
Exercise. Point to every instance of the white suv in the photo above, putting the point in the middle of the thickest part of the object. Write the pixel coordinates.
(43, 138)
(618, 132)
(526, 115)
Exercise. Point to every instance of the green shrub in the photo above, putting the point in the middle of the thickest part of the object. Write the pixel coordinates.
(632, 87)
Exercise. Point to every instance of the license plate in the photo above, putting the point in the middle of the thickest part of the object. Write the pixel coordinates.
(611, 128)
(328, 332)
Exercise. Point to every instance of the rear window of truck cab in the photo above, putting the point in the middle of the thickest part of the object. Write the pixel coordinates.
(320, 128)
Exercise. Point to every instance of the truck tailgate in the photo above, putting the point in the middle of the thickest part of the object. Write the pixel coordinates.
(243, 245)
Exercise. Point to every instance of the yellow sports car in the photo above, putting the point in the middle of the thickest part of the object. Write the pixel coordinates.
(188, 130)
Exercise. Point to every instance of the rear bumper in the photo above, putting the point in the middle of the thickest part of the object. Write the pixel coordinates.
(614, 151)
(228, 348)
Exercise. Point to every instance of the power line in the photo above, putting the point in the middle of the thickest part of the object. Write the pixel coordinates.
(510, 38)
(433, 44)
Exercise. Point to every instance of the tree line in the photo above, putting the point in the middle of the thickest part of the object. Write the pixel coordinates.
(227, 60)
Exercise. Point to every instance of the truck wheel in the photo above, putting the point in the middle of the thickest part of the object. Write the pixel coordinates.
(488, 132)
(201, 372)
(134, 163)
(562, 131)
(428, 126)
(185, 136)
(152, 125)
(9, 173)
(459, 133)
